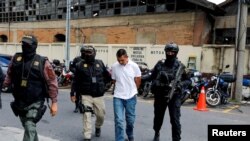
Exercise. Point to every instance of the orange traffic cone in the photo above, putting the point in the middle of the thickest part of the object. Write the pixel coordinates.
(201, 104)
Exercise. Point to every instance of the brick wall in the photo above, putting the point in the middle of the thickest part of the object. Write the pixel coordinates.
(144, 29)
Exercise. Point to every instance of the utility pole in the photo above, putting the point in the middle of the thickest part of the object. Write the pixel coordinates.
(67, 48)
(240, 48)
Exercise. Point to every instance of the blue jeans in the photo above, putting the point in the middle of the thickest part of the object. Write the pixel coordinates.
(121, 105)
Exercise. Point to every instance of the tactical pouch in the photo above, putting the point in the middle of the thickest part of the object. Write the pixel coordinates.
(40, 113)
(17, 111)
(88, 109)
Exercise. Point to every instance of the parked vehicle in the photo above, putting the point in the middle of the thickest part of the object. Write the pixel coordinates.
(219, 92)
(145, 87)
(193, 90)
(4, 63)
(65, 78)
(58, 67)
(246, 89)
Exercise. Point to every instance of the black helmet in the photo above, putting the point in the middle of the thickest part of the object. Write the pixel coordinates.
(171, 47)
(88, 53)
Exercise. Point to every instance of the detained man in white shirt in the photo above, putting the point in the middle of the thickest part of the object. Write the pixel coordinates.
(127, 79)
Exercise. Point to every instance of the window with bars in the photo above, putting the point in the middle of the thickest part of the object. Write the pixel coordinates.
(40, 10)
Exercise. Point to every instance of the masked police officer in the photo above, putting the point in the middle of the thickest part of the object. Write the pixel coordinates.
(163, 74)
(75, 97)
(89, 80)
(33, 80)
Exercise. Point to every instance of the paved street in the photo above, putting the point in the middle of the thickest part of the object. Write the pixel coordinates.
(67, 126)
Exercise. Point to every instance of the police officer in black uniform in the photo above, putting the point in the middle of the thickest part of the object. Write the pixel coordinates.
(163, 74)
(90, 75)
(33, 80)
(72, 68)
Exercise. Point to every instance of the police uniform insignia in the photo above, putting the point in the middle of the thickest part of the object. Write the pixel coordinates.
(24, 83)
(97, 65)
(85, 65)
(19, 58)
(36, 63)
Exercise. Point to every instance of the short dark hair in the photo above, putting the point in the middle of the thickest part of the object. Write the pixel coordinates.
(121, 52)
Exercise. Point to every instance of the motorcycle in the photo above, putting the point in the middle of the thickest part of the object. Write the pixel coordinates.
(192, 91)
(145, 87)
(246, 89)
(219, 93)
(64, 77)
(57, 66)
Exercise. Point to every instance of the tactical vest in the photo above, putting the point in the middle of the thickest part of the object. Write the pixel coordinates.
(161, 83)
(89, 78)
(27, 79)
(169, 70)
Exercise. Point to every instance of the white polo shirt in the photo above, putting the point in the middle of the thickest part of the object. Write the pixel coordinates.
(125, 87)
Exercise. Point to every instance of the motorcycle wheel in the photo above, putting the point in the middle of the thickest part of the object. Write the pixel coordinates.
(145, 92)
(213, 98)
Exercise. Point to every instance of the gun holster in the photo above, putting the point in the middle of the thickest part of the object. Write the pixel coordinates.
(17, 111)
(88, 109)
(40, 113)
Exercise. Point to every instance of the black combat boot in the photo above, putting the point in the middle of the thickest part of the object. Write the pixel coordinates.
(76, 110)
(97, 132)
(157, 136)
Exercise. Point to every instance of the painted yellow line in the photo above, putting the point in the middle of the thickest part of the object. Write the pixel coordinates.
(231, 108)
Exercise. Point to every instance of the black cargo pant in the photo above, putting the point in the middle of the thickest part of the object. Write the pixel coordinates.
(160, 106)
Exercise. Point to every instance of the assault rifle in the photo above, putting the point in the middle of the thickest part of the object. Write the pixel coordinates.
(175, 82)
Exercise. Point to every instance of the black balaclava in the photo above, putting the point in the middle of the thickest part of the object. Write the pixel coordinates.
(29, 45)
(89, 54)
(170, 58)
(89, 58)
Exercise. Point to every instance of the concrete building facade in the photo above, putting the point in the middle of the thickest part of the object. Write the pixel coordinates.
(109, 21)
